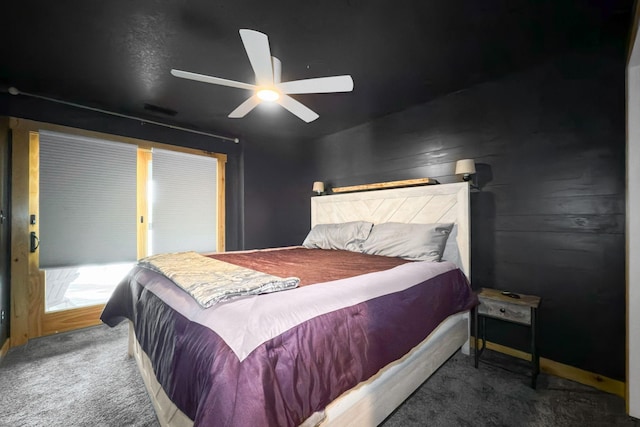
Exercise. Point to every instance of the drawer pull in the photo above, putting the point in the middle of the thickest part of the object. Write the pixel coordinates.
(502, 310)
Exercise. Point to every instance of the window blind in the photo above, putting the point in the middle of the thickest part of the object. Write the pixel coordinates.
(87, 201)
(184, 202)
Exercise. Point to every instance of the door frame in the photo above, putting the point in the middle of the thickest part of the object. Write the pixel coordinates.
(5, 205)
(28, 317)
(633, 220)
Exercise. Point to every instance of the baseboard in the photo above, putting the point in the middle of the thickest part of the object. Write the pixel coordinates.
(561, 370)
(5, 348)
(69, 320)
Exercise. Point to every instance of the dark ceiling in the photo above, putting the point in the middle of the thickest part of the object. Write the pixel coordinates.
(117, 54)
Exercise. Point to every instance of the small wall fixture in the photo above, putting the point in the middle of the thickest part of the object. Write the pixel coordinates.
(318, 187)
(466, 168)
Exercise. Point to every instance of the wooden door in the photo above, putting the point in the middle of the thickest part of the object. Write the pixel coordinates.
(5, 240)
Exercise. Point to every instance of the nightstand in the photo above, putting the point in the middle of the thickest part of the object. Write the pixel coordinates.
(523, 311)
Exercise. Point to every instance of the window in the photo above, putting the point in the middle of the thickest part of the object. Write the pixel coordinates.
(90, 209)
(183, 202)
(87, 201)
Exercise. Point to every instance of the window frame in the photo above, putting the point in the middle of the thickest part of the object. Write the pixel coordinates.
(28, 318)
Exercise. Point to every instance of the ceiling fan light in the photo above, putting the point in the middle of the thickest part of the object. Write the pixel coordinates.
(268, 95)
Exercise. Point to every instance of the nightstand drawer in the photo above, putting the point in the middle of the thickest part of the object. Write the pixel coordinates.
(501, 310)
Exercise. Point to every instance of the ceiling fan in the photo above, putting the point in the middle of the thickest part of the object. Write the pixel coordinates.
(268, 87)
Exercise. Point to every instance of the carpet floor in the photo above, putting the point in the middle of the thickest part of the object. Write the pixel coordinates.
(85, 378)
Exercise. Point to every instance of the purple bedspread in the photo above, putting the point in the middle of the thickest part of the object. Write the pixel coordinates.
(288, 378)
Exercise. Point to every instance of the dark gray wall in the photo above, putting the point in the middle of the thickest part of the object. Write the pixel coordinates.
(279, 176)
(549, 144)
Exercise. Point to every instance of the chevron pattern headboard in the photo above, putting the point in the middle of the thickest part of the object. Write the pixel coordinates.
(418, 205)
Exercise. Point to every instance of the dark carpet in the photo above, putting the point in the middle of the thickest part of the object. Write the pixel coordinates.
(85, 378)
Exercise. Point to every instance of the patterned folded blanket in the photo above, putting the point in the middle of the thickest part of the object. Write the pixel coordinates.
(210, 281)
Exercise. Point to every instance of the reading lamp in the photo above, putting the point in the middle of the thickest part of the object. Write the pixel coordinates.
(466, 168)
(318, 187)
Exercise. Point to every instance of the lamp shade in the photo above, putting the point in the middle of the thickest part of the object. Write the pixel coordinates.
(465, 167)
(318, 187)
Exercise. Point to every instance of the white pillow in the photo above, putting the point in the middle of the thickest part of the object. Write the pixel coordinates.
(346, 236)
(416, 242)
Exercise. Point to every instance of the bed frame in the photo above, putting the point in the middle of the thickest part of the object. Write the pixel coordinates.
(371, 401)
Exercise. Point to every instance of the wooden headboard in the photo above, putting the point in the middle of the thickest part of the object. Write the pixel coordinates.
(418, 205)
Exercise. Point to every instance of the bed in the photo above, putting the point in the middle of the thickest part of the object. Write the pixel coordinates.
(346, 347)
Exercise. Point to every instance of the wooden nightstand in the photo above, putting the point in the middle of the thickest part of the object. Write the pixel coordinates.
(522, 310)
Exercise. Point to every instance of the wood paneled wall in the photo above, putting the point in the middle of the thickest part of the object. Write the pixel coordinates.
(549, 146)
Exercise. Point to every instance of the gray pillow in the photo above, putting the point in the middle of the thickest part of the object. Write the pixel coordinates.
(416, 242)
(346, 236)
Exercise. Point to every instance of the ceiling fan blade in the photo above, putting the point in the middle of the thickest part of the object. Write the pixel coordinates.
(297, 108)
(244, 108)
(209, 79)
(277, 69)
(257, 46)
(319, 85)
